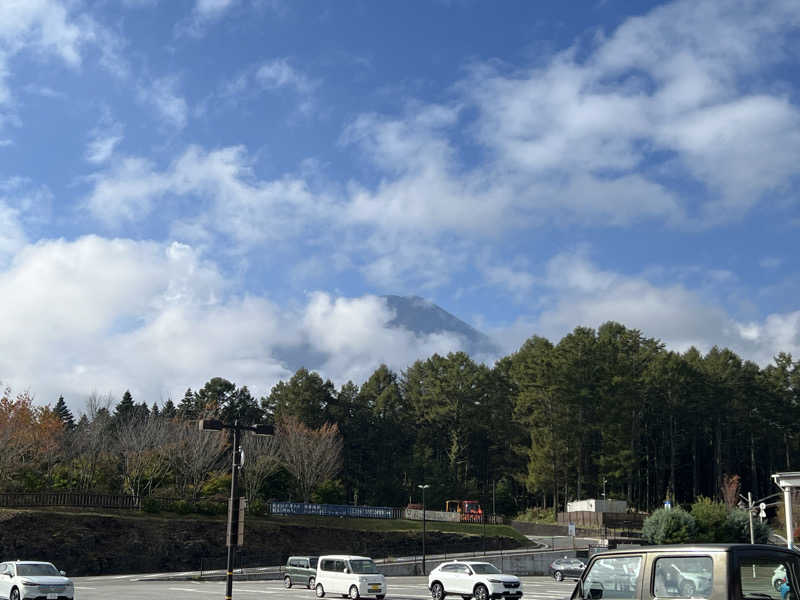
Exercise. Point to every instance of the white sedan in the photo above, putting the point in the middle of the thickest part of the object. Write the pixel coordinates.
(481, 580)
(23, 579)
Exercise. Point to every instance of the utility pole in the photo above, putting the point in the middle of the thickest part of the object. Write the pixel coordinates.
(423, 488)
(235, 535)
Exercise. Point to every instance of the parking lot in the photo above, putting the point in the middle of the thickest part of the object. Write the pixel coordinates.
(400, 588)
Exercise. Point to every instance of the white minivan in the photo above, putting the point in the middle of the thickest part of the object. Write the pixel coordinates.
(355, 576)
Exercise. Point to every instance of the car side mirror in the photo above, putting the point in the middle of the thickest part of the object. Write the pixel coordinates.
(346, 570)
(63, 573)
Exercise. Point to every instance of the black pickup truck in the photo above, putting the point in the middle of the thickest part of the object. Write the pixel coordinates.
(706, 571)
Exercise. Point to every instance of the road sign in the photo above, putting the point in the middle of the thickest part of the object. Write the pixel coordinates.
(667, 504)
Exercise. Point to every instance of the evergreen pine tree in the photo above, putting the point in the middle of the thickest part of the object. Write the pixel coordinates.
(169, 411)
(64, 414)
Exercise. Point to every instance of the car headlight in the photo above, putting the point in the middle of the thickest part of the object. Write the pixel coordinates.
(495, 581)
(29, 583)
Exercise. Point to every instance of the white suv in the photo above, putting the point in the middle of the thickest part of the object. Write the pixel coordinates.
(470, 578)
(21, 579)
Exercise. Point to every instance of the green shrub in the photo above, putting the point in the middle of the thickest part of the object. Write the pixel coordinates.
(257, 507)
(675, 526)
(329, 492)
(737, 528)
(211, 507)
(151, 505)
(182, 507)
(710, 517)
(219, 484)
(535, 514)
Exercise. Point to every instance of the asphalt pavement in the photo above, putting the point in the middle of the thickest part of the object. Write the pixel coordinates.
(129, 587)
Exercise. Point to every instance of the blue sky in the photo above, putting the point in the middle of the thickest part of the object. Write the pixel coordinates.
(190, 187)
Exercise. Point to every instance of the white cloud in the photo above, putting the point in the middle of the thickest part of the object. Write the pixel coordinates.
(13, 237)
(601, 133)
(169, 105)
(104, 139)
(208, 9)
(44, 26)
(578, 293)
(279, 73)
(227, 198)
(115, 314)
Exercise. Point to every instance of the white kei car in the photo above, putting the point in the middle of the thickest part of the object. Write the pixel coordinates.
(481, 580)
(21, 579)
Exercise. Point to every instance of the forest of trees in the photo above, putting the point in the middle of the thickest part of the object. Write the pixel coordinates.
(543, 426)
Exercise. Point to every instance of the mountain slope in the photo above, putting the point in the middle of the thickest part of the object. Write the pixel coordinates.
(421, 316)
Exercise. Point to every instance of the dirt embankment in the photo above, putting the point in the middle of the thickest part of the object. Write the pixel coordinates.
(88, 544)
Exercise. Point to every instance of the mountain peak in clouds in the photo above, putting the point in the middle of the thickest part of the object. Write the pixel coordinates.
(423, 317)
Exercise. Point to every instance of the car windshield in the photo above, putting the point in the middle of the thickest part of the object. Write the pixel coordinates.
(485, 569)
(32, 570)
(363, 566)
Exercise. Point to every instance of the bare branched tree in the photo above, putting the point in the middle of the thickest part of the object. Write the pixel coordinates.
(194, 454)
(311, 455)
(92, 441)
(143, 447)
(262, 459)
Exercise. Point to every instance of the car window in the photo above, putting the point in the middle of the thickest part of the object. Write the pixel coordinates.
(613, 577)
(451, 568)
(363, 566)
(339, 565)
(485, 569)
(328, 565)
(762, 577)
(34, 569)
(683, 577)
(313, 562)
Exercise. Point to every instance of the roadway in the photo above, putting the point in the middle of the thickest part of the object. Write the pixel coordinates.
(132, 587)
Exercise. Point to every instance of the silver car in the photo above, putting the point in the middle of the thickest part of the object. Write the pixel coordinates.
(21, 579)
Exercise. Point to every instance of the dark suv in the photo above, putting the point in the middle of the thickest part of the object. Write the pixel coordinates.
(301, 570)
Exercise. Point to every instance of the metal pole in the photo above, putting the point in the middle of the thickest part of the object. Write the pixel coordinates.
(787, 502)
(750, 514)
(233, 513)
(424, 572)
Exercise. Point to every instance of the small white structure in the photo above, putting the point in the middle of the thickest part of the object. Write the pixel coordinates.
(599, 506)
(788, 482)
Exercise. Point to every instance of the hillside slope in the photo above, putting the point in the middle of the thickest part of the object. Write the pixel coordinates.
(93, 544)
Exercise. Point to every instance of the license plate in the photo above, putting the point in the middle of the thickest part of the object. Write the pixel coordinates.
(374, 588)
(52, 596)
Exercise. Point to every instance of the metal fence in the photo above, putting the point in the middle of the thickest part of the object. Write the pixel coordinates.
(335, 510)
(73, 499)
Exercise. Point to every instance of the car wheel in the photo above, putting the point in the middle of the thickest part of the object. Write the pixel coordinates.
(311, 583)
(14, 594)
(558, 576)
(481, 593)
(687, 589)
(287, 582)
(353, 593)
(437, 591)
(320, 591)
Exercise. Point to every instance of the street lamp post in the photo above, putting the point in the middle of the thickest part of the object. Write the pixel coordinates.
(423, 488)
(234, 502)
